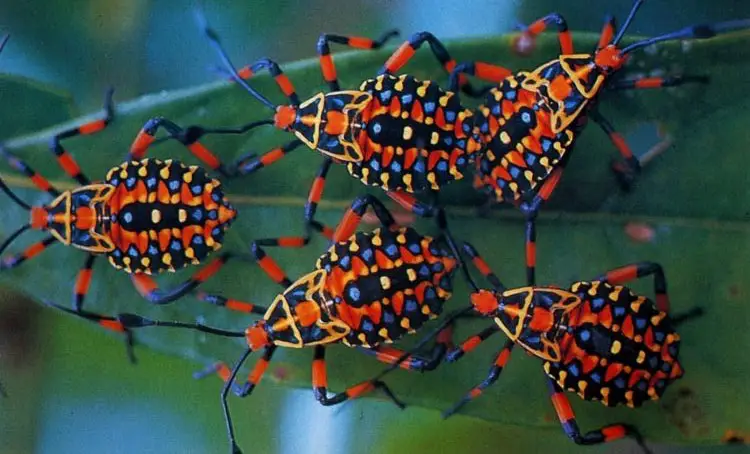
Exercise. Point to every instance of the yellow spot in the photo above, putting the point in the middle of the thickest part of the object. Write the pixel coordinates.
(616, 346)
(408, 132)
(490, 155)
(641, 357)
(529, 175)
(546, 367)
(426, 309)
(151, 197)
(374, 269)
(166, 258)
(399, 151)
(126, 261)
(544, 161)
(411, 274)
(428, 120)
(353, 246)
(638, 338)
(190, 253)
(175, 199)
(401, 238)
(629, 396)
(378, 83)
(404, 115)
(434, 138)
(362, 338)
(615, 294)
(582, 384)
(187, 177)
(563, 376)
(164, 172)
(422, 90)
(627, 369)
(142, 171)
(505, 137)
(383, 333)
(123, 174)
(652, 391)
(615, 328)
(210, 242)
(399, 85)
(605, 391)
(145, 261)
(407, 181)
(177, 233)
(603, 362)
(444, 100)
(575, 287)
(376, 240)
(405, 323)
(384, 177)
(155, 216)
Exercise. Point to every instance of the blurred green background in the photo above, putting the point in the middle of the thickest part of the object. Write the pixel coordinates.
(70, 387)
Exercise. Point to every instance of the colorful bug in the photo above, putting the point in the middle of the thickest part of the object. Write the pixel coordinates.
(596, 338)
(147, 217)
(368, 289)
(530, 121)
(398, 133)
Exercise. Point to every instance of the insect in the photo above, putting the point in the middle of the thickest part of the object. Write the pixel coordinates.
(530, 121)
(367, 290)
(401, 134)
(147, 216)
(596, 338)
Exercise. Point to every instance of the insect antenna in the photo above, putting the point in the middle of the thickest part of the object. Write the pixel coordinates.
(703, 31)
(625, 26)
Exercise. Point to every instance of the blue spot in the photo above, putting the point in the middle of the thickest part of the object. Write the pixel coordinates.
(585, 335)
(653, 361)
(84, 237)
(514, 172)
(337, 102)
(117, 253)
(571, 104)
(128, 217)
(450, 116)
(501, 183)
(215, 196)
(176, 245)
(213, 215)
(424, 270)
(619, 311)
(85, 198)
(666, 367)
(151, 182)
(660, 384)
(419, 166)
(442, 166)
(530, 159)
(640, 323)
(388, 318)
(367, 254)
(333, 143)
(546, 144)
(367, 326)
(495, 110)
(197, 214)
(510, 95)
(437, 267)
(197, 239)
(549, 72)
(672, 350)
(385, 95)
(620, 382)
(429, 107)
(216, 231)
(345, 261)
(484, 127)
(596, 377)
(414, 248)
(659, 336)
(114, 181)
(407, 98)
(533, 340)
(196, 188)
(391, 250)
(460, 161)
(573, 369)
(526, 117)
(174, 185)
(448, 140)
(411, 306)
(376, 128)
(375, 165)
(395, 166)
(152, 250)
(429, 294)
(130, 182)
(597, 303)
(133, 252)
(354, 294)
(461, 144)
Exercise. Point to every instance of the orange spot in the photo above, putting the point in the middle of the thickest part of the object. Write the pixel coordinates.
(516, 158)
(112, 325)
(39, 218)
(605, 317)
(613, 432)
(256, 336)
(142, 244)
(589, 363)
(285, 116)
(40, 182)
(162, 193)
(357, 390)
(400, 57)
(627, 327)
(143, 284)
(417, 114)
(474, 393)
(326, 66)
(286, 86)
(83, 281)
(562, 407)
(484, 302)
(491, 72)
(541, 320)
(307, 313)
(382, 260)
(397, 302)
(316, 191)
(319, 376)
(164, 237)
(204, 155)
(272, 156)
(621, 275)
(613, 370)
(258, 370)
(92, 127)
(188, 233)
(85, 218)
(560, 87)
(208, 271)
(34, 250)
(141, 143)
(68, 164)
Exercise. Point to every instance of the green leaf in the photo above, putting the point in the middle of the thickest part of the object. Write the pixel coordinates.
(29, 105)
(694, 197)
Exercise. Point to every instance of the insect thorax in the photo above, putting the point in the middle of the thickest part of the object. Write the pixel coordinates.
(385, 284)
(165, 215)
(416, 135)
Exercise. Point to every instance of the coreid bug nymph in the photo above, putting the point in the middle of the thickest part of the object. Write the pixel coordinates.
(367, 290)
(530, 121)
(147, 216)
(596, 338)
